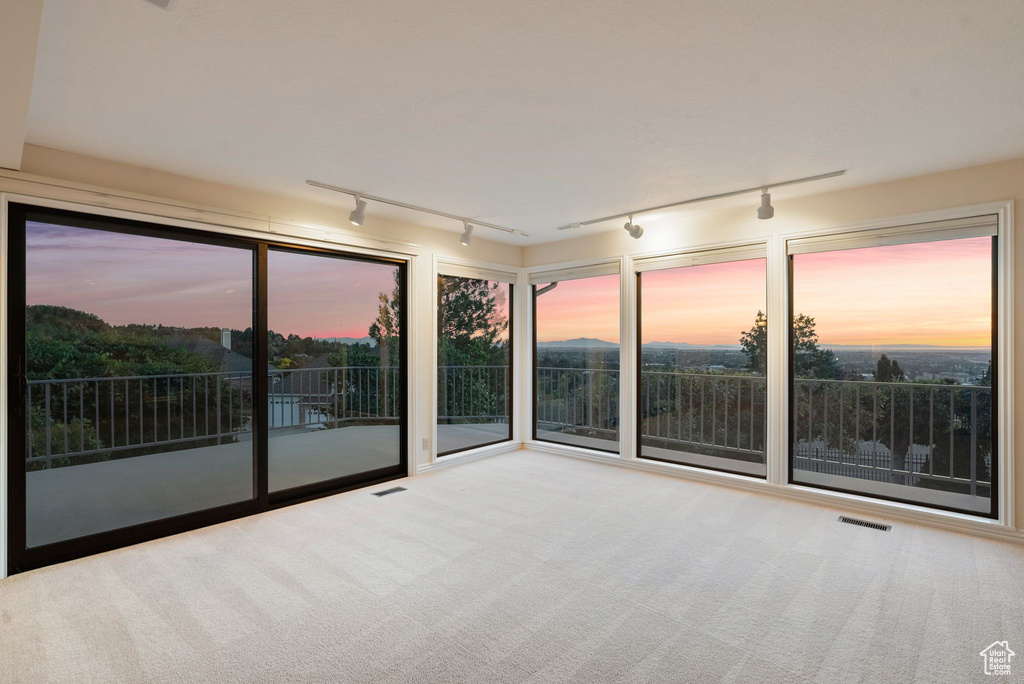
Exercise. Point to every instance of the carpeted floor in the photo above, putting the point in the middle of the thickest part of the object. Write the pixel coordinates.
(524, 567)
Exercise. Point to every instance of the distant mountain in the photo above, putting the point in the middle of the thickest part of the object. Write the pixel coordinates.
(352, 340)
(579, 343)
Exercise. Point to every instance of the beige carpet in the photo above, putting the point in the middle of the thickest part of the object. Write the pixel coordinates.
(524, 568)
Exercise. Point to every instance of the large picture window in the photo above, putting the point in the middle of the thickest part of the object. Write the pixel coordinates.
(577, 362)
(703, 349)
(892, 384)
(474, 363)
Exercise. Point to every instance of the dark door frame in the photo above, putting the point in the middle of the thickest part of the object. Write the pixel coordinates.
(20, 556)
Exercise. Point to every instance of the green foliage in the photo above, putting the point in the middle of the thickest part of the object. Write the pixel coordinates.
(471, 324)
(354, 355)
(472, 331)
(387, 327)
(75, 436)
(755, 345)
(810, 360)
(64, 344)
(888, 371)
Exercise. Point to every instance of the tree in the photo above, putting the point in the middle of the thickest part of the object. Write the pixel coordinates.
(755, 344)
(888, 371)
(88, 416)
(471, 322)
(810, 360)
(386, 329)
(472, 330)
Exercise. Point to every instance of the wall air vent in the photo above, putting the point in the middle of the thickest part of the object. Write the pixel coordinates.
(393, 490)
(864, 523)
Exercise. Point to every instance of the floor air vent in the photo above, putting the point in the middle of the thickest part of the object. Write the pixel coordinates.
(864, 523)
(393, 490)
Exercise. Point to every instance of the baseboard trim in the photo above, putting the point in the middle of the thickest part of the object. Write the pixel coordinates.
(470, 455)
(842, 502)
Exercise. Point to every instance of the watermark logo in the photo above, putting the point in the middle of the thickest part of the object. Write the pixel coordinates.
(998, 657)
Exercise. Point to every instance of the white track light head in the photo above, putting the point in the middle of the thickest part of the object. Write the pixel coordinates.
(358, 214)
(467, 234)
(766, 210)
(634, 230)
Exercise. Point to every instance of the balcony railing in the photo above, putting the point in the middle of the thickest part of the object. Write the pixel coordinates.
(905, 433)
(901, 433)
(472, 394)
(719, 415)
(580, 400)
(71, 420)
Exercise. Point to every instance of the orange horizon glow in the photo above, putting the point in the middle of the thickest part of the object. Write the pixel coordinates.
(710, 304)
(928, 294)
(932, 294)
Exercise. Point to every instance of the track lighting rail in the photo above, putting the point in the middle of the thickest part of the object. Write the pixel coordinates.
(413, 207)
(706, 198)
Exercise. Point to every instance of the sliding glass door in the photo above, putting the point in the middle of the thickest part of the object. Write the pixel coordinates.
(334, 350)
(134, 407)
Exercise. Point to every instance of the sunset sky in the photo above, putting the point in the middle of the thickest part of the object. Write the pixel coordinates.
(588, 307)
(709, 304)
(935, 293)
(930, 293)
(135, 279)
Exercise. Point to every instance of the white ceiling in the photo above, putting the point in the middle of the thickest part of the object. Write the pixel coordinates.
(532, 113)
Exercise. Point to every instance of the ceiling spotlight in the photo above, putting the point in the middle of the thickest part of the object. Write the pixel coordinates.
(634, 231)
(766, 210)
(358, 214)
(467, 235)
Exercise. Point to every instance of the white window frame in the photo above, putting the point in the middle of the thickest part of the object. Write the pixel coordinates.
(578, 270)
(957, 222)
(479, 270)
(905, 228)
(701, 255)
